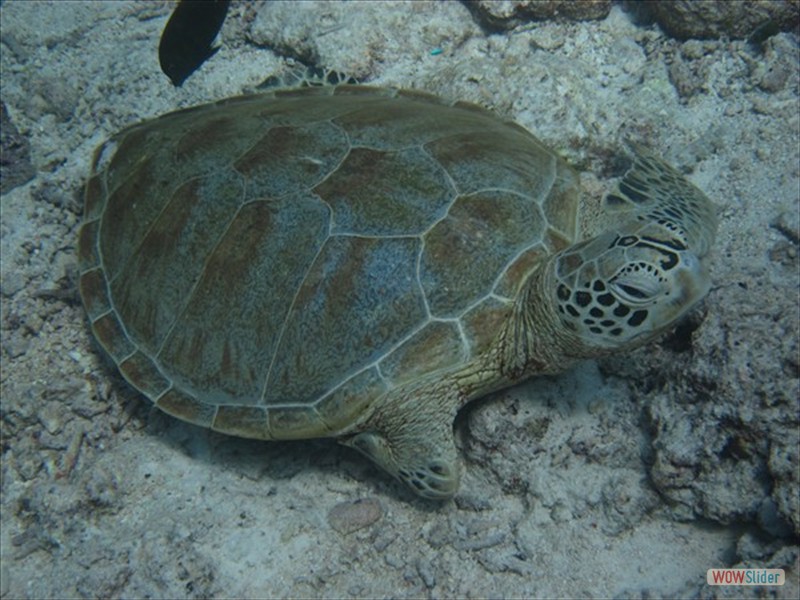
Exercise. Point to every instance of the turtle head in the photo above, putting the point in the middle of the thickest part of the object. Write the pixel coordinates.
(629, 283)
(625, 286)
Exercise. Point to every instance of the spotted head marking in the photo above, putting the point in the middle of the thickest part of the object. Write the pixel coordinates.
(632, 281)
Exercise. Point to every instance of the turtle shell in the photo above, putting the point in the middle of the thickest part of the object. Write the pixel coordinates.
(270, 265)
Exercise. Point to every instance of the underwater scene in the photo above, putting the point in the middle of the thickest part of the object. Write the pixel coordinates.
(400, 299)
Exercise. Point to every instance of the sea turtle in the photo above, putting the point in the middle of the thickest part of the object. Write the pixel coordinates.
(359, 263)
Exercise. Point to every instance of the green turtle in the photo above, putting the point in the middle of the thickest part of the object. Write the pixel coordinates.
(359, 263)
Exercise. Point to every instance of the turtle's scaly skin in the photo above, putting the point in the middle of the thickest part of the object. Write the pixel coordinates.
(358, 263)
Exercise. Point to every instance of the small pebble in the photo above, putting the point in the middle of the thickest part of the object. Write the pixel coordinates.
(493, 539)
(425, 570)
(50, 416)
(12, 282)
(5, 580)
(348, 517)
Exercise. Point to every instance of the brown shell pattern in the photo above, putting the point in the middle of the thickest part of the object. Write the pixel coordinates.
(270, 265)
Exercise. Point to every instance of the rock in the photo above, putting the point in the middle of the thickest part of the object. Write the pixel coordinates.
(348, 517)
(505, 15)
(15, 164)
(684, 19)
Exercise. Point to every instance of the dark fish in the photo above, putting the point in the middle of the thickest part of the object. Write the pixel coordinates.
(762, 33)
(186, 41)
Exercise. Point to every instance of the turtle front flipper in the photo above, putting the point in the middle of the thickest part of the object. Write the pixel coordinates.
(655, 192)
(624, 286)
(411, 438)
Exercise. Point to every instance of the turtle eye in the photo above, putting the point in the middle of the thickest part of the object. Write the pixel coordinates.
(632, 292)
(638, 284)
